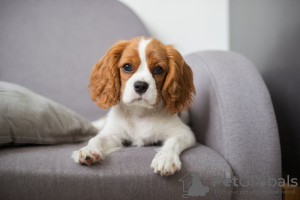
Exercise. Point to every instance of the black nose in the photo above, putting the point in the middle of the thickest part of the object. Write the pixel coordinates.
(140, 87)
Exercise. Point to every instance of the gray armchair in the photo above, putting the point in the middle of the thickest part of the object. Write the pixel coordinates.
(51, 46)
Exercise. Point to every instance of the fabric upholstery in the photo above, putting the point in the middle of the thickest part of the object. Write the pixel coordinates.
(48, 172)
(233, 115)
(50, 47)
(28, 118)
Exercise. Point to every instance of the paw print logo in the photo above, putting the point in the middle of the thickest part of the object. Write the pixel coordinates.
(196, 187)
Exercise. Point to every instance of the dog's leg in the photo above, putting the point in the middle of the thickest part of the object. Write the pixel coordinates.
(166, 162)
(97, 148)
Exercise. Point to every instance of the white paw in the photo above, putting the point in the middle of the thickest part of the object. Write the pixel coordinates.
(88, 156)
(166, 163)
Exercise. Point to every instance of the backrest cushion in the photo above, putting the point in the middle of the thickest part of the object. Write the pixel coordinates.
(50, 47)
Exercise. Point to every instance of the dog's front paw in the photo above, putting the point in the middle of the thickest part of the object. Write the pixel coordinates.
(166, 163)
(87, 156)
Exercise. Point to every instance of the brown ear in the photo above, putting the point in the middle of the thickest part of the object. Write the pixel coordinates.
(105, 77)
(178, 90)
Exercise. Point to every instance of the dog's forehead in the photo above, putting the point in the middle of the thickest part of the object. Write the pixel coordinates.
(156, 49)
(151, 47)
(131, 49)
(144, 50)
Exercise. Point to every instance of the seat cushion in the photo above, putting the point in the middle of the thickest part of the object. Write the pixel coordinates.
(48, 172)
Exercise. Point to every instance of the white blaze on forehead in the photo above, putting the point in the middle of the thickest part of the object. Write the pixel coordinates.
(142, 53)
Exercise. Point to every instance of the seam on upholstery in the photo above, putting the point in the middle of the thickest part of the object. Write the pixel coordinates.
(216, 91)
(220, 107)
(223, 123)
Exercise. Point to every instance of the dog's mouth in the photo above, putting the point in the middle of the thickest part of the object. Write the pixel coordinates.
(140, 99)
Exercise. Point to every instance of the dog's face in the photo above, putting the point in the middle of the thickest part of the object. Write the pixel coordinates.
(141, 72)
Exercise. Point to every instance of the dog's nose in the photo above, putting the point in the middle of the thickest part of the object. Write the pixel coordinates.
(140, 87)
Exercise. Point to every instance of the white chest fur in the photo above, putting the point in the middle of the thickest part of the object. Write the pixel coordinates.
(142, 126)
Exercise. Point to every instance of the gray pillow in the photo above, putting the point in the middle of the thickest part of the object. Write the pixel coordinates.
(28, 118)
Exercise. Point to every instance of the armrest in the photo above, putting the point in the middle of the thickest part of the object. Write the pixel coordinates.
(233, 114)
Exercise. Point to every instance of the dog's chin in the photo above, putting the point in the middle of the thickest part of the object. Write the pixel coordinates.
(140, 102)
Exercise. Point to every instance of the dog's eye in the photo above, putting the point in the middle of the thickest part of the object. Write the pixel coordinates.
(127, 68)
(158, 70)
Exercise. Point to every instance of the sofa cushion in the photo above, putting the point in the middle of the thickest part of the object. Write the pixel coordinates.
(48, 172)
(26, 117)
(50, 47)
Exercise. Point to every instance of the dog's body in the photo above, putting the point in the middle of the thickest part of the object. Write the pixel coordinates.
(148, 83)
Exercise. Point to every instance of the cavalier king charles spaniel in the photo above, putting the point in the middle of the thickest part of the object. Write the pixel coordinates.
(149, 87)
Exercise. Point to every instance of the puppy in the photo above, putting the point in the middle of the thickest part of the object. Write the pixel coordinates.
(147, 84)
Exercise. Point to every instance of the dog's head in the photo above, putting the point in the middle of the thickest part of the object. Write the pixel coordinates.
(141, 72)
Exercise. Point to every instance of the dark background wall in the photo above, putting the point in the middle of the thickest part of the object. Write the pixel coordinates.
(268, 33)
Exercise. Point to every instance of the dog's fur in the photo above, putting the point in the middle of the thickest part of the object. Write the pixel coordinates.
(144, 117)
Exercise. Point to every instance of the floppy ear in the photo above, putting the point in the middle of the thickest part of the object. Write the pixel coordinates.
(178, 89)
(105, 77)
